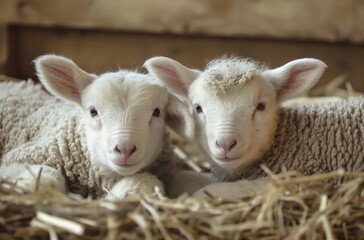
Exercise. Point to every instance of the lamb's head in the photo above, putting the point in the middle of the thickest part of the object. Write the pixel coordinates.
(124, 112)
(236, 101)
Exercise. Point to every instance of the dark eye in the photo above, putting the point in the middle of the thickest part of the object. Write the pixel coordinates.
(198, 108)
(156, 112)
(93, 112)
(261, 106)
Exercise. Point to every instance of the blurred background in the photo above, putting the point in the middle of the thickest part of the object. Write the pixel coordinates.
(111, 34)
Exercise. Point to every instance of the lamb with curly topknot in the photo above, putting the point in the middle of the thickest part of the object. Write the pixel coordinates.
(240, 125)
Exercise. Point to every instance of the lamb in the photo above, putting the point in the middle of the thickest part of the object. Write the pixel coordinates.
(240, 125)
(102, 132)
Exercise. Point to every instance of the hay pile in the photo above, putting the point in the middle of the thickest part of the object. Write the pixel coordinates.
(295, 207)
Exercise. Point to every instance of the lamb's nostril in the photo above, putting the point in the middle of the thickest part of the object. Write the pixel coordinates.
(132, 150)
(117, 149)
(232, 145)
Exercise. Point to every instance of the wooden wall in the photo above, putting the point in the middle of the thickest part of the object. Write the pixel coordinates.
(105, 35)
(327, 20)
(99, 51)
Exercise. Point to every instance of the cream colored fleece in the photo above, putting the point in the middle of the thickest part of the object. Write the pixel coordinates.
(37, 128)
(312, 138)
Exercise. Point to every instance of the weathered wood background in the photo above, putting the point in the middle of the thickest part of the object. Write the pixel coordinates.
(108, 34)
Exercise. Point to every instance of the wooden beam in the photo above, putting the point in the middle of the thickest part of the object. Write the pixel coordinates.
(3, 47)
(327, 20)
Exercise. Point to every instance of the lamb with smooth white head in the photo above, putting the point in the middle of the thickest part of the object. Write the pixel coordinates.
(109, 133)
(239, 123)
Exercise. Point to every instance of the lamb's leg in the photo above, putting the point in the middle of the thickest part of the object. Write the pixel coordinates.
(25, 177)
(234, 190)
(143, 183)
(187, 182)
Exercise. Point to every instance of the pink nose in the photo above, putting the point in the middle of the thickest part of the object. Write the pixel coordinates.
(125, 152)
(226, 144)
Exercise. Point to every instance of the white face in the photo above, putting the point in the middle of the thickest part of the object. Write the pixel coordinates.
(236, 127)
(124, 121)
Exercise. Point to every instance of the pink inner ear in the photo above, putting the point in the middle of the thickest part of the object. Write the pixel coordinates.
(63, 80)
(66, 87)
(291, 82)
(171, 79)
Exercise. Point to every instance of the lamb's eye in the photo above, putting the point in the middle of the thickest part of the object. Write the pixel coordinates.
(198, 108)
(156, 112)
(93, 112)
(261, 106)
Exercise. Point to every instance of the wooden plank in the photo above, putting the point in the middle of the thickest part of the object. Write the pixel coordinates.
(3, 47)
(328, 20)
(100, 51)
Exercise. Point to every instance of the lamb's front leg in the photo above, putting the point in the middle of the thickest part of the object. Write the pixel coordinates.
(234, 190)
(25, 176)
(143, 183)
(187, 182)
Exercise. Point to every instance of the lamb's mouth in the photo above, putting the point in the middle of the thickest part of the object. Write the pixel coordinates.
(127, 165)
(227, 163)
(225, 160)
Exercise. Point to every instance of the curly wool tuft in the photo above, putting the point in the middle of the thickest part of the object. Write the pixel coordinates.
(224, 73)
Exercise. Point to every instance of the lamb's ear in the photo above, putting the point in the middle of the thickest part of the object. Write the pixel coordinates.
(296, 77)
(173, 74)
(62, 77)
(179, 118)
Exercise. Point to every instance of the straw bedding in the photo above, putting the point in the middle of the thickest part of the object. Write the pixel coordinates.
(294, 207)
